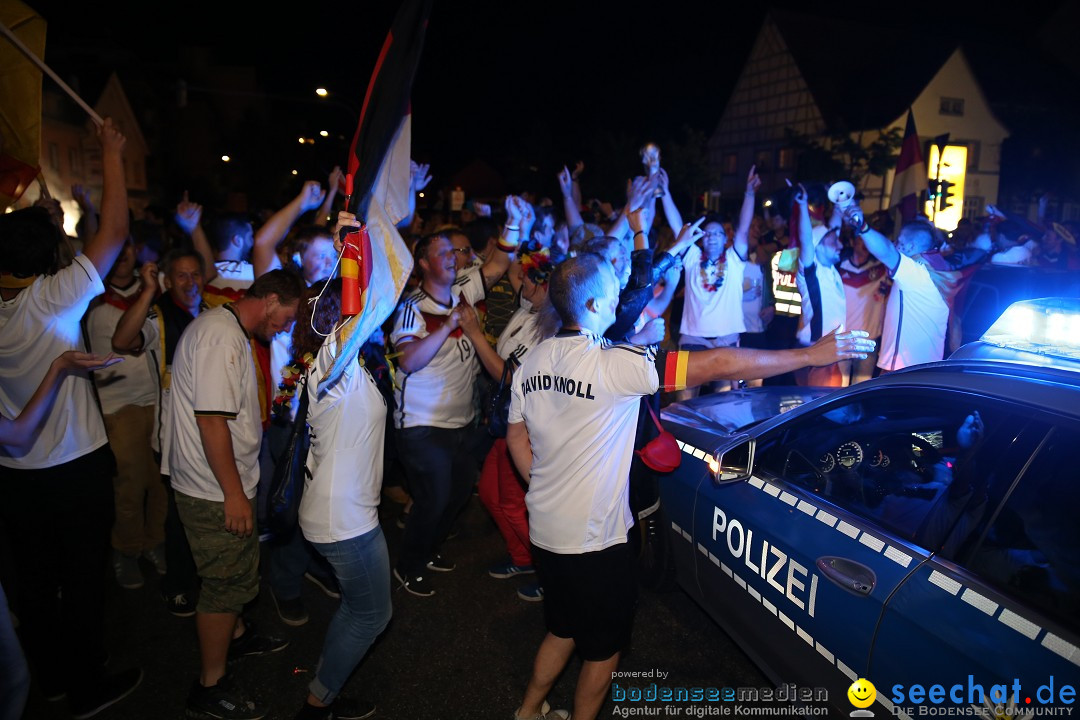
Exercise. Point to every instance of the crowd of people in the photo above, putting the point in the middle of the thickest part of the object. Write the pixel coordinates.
(524, 362)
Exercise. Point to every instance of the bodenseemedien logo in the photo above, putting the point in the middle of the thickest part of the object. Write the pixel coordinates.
(861, 694)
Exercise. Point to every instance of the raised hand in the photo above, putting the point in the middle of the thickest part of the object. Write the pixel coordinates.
(418, 175)
(753, 182)
(188, 214)
(662, 181)
(513, 210)
(345, 220)
(482, 209)
(112, 140)
(82, 198)
(801, 195)
(336, 180)
(638, 192)
(148, 273)
(311, 196)
(566, 182)
(691, 232)
(579, 167)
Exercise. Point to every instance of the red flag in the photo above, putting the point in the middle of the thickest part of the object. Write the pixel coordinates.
(909, 180)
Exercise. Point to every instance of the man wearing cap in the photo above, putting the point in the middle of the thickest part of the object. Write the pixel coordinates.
(573, 416)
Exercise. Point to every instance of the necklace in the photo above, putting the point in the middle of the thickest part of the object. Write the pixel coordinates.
(712, 274)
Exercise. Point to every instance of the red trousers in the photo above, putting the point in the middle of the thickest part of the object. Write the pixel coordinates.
(503, 493)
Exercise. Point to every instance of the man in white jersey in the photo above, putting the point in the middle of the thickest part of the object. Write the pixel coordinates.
(573, 416)
(434, 396)
(57, 497)
(823, 301)
(866, 287)
(916, 314)
(215, 432)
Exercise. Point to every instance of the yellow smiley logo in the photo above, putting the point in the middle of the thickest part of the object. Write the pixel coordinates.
(862, 693)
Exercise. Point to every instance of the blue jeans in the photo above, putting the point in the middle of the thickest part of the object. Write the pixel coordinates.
(362, 567)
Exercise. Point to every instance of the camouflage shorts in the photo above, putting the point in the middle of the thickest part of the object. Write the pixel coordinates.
(228, 565)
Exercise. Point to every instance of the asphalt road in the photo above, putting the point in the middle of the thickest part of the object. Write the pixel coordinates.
(464, 653)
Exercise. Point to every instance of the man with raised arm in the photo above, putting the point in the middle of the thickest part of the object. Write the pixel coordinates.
(573, 416)
(916, 314)
(57, 502)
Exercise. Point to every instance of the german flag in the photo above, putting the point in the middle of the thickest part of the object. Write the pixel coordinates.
(671, 367)
(378, 163)
(909, 180)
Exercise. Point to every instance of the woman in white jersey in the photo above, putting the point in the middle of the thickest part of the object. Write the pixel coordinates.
(339, 508)
(501, 489)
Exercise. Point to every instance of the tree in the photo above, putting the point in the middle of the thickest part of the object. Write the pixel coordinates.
(842, 156)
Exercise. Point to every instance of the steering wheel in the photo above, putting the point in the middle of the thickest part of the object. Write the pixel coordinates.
(929, 456)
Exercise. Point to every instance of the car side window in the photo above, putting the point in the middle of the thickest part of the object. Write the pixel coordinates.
(889, 457)
(1031, 547)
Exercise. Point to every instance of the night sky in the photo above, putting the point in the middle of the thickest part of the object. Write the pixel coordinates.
(499, 81)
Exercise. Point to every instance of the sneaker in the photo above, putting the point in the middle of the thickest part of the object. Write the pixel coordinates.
(251, 643)
(291, 612)
(178, 605)
(440, 564)
(109, 690)
(346, 708)
(327, 583)
(156, 556)
(127, 570)
(417, 585)
(532, 592)
(342, 708)
(508, 569)
(224, 700)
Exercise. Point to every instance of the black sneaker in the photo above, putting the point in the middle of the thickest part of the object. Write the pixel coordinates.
(440, 564)
(417, 584)
(327, 583)
(224, 700)
(109, 690)
(179, 605)
(292, 612)
(252, 643)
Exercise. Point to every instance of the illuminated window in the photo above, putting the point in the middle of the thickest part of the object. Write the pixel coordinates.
(731, 164)
(951, 106)
(973, 206)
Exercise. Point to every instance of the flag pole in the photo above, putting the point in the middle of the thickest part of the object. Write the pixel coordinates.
(48, 71)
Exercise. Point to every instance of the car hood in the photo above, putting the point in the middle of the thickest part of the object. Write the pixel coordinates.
(728, 412)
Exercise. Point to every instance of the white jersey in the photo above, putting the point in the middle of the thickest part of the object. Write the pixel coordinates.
(213, 374)
(132, 382)
(440, 394)
(833, 302)
(36, 326)
(578, 396)
(916, 319)
(519, 335)
(233, 274)
(345, 463)
(713, 313)
(866, 286)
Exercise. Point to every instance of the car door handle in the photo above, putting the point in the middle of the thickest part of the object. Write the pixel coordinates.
(854, 577)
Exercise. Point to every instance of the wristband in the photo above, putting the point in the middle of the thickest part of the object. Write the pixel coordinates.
(865, 228)
(639, 232)
(507, 247)
(512, 227)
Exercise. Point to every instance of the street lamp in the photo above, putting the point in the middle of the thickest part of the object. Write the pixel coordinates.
(225, 158)
(321, 92)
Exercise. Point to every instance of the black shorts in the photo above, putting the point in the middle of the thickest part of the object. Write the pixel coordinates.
(590, 597)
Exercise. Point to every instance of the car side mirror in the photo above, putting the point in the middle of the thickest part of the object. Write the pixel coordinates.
(734, 461)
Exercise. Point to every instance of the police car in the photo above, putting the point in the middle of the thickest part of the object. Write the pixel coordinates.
(918, 530)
